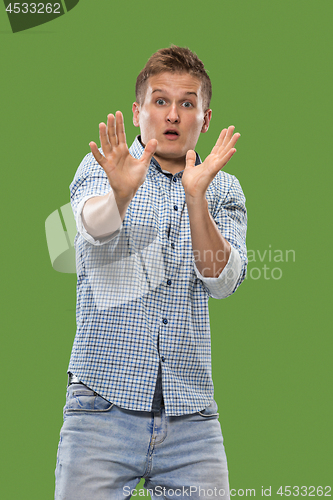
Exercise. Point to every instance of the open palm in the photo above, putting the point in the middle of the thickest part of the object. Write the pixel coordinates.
(196, 178)
(125, 173)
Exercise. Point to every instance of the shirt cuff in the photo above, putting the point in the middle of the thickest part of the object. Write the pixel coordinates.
(82, 230)
(223, 286)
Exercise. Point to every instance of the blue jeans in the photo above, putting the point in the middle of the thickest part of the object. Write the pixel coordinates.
(105, 450)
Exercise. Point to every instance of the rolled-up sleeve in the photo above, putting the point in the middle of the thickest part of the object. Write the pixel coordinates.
(225, 284)
(90, 181)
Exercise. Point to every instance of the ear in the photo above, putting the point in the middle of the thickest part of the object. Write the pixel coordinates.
(207, 118)
(136, 113)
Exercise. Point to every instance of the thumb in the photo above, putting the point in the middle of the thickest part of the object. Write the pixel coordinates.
(149, 151)
(190, 158)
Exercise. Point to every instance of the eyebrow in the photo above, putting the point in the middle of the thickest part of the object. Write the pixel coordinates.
(186, 93)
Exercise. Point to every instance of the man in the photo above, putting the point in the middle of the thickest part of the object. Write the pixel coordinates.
(158, 233)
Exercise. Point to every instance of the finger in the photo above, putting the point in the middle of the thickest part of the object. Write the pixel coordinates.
(120, 128)
(219, 141)
(112, 131)
(228, 135)
(224, 160)
(190, 158)
(227, 146)
(149, 151)
(97, 155)
(104, 139)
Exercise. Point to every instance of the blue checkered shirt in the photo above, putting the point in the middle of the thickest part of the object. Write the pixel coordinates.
(141, 302)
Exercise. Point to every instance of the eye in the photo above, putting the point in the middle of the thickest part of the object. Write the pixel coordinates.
(160, 102)
(187, 104)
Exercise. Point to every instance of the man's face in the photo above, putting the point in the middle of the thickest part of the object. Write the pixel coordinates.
(172, 113)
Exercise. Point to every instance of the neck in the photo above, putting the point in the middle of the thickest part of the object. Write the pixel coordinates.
(171, 165)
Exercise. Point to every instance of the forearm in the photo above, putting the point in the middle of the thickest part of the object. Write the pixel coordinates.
(103, 215)
(211, 251)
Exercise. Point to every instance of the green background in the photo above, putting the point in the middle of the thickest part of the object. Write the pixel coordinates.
(270, 65)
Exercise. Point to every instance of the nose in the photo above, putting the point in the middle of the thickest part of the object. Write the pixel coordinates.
(173, 116)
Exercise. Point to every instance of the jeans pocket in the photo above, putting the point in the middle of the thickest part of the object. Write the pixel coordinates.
(210, 411)
(82, 399)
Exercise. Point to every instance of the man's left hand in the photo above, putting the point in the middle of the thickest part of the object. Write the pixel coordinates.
(196, 178)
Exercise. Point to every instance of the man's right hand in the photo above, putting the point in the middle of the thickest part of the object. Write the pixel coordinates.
(125, 173)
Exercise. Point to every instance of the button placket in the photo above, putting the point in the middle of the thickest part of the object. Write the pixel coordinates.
(177, 200)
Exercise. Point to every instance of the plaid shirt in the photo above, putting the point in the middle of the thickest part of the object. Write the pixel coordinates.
(141, 302)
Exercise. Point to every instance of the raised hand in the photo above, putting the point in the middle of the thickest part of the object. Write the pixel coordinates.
(196, 178)
(125, 173)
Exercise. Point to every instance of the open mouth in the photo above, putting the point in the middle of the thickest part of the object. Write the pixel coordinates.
(171, 133)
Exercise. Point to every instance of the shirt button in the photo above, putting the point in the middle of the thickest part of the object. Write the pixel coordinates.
(174, 179)
(165, 321)
(163, 358)
(175, 207)
(172, 245)
(169, 282)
